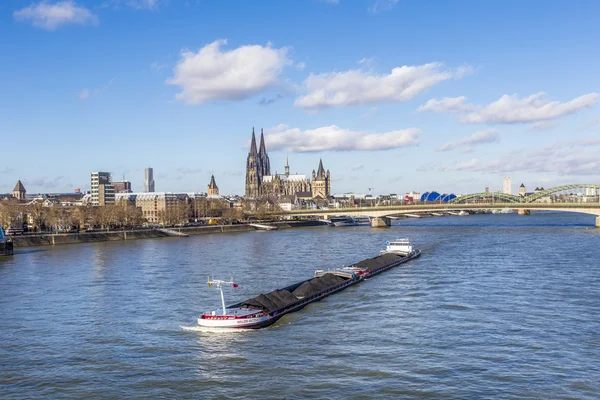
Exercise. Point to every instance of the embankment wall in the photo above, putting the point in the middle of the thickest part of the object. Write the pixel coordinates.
(92, 237)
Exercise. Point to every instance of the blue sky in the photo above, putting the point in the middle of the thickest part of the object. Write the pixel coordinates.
(393, 95)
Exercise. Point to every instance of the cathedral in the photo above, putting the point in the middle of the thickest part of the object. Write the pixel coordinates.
(260, 182)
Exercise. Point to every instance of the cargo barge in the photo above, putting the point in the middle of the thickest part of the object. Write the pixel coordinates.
(266, 309)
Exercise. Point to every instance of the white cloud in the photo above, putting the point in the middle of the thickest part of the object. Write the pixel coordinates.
(543, 125)
(142, 4)
(463, 166)
(561, 158)
(84, 94)
(213, 74)
(356, 87)
(479, 137)
(511, 109)
(50, 16)
(334, 138)
(381, 6)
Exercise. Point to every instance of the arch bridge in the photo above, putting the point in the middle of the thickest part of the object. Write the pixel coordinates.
(540, 200)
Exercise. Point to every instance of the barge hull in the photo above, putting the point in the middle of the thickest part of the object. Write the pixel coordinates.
(277, 314)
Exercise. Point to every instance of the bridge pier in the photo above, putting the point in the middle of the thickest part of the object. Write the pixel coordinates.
(381, 222)
(598, 222)
(524, 212)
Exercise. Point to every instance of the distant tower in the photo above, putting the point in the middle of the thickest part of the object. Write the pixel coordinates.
(522, 190)
(213, 189)
(321, 182)
(507, 185)
(19, 191)
(148, 180)
(287, 166)
(253, 171)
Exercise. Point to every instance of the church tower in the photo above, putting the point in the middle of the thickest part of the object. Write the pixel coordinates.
(19, 191)
(213, 189)
(253, 171)
(321, 182)
(264, 157)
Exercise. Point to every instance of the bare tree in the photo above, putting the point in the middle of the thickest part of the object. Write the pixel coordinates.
(37, 214)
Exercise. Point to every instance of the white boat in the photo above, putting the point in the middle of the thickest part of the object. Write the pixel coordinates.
(463, 213)
(399, 246)
(232, 317)
(343, 221)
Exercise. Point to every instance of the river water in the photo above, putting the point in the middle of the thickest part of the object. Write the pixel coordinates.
(498, 306)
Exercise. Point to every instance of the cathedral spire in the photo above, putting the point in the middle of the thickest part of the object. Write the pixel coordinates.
(263, 149)
(253, 144)
(287, 166)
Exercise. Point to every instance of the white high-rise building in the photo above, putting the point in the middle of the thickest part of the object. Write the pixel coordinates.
(590, 191)
(507, 185)
(103, 191)
(148, 180)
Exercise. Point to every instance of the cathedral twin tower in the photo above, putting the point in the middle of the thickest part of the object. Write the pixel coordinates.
(260, 182)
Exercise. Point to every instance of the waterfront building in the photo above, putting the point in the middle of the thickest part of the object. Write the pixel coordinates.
(507, 185)
(19, 191)
(260, 182)
(212, 189)
(156, 206)
(122, 187)
(522, 190)
(148, 180)
(102, 189)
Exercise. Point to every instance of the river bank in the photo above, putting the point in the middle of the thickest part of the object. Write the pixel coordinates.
(92, 237)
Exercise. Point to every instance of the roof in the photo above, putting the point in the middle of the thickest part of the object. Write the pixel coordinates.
(321, 170)
(19, 187)
(283, 177)
(522, 185)
(212, 184)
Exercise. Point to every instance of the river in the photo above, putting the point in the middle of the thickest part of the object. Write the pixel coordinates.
(498, 306)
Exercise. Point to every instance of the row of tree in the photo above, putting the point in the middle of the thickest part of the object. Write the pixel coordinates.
(40, 217)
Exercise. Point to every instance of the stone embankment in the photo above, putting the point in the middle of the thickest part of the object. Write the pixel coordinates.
(104, 236)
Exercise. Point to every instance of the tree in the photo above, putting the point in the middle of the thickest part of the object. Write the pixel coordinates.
(37, 215)
(9, 213)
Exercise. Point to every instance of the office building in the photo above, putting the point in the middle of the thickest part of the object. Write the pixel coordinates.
(148, 180)
(507, 185)
(103, 191)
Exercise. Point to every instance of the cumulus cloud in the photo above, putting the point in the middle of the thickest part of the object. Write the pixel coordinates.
(511, 109)
(334, 138)
(479, 137)
(50, 16)
(216, 74)
(381, 6)
(355, 87)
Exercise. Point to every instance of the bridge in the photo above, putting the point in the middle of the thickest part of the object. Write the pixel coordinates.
(538, 201)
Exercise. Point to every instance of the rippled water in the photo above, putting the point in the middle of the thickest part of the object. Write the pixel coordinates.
(497, 306)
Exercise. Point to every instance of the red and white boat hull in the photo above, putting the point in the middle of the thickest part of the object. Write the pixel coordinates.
(230, 321)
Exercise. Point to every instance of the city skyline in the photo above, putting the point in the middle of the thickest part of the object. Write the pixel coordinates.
(412, 100)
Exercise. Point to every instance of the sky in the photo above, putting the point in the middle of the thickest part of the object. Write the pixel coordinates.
(393, 95)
